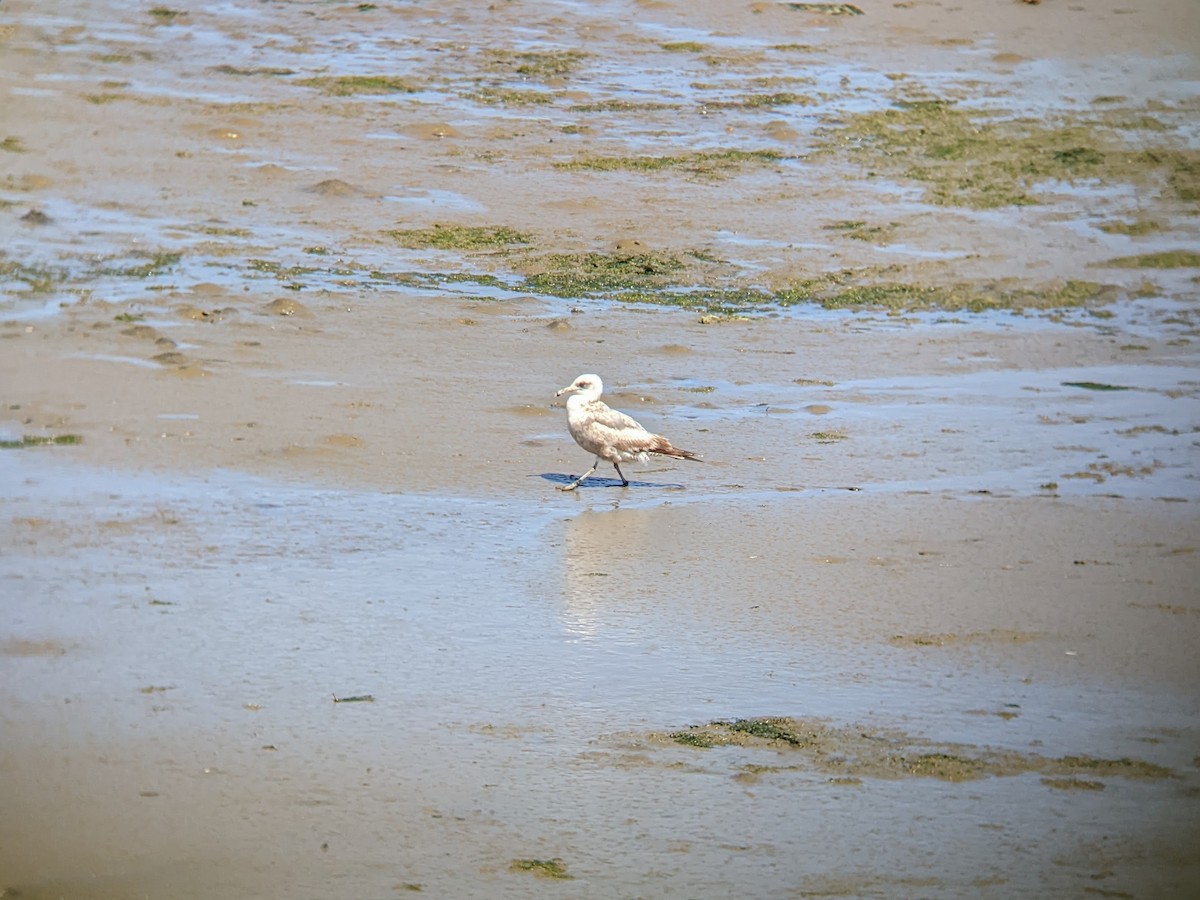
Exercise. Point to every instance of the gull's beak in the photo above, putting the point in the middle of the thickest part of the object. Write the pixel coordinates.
(568, 389)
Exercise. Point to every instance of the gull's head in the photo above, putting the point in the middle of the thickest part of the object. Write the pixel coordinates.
(588, 386)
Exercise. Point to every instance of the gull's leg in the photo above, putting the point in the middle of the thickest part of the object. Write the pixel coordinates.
(624, 480)
(574, 484)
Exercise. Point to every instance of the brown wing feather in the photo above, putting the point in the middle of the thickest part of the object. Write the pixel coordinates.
(603, 428)
(603, 414)
(663, 446)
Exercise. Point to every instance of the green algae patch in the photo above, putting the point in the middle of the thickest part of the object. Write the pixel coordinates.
(978, 160)
(766, 100)
(1168, 259)
(535, 65)
(498, 96)
(829, 437)
(706, 163)
(1096, 386)
(39, 279)
(164, 15)
(944, 766)
(1123, 767)
(432, 281)
(349, 85)
(542, 868)
(1136, 228)
(227, 69)
(587, 274)
(894, 296)
(862, 231)
(698, 281)
(840, 291)
(844, 753)
(826, 9)
(769, 730)
(156, 264)
(42, 440)
(460, 237)
(1073, 784)
(279, 270)
(691, 738)
(439, 279)
(624, 106)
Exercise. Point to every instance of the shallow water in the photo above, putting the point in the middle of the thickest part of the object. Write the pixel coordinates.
(194, 632)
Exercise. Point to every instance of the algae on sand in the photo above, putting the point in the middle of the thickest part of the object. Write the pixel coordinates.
(695, 280)
(858, 751)
(348, 85)
(156, 264)
(542, 868)
(855, 289)
(705, 163)
(498, 96)
(539, 65)
(979, 160)
(1167, 259)
(584, 274)
(460, 237)
(165, 15)
(39, 279)
(42, 440)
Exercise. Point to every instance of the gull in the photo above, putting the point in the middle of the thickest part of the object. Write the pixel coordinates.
(608, 434)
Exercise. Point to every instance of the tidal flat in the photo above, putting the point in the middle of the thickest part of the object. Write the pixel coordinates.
(292, 605)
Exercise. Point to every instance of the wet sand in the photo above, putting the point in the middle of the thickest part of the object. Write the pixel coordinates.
(295, 608)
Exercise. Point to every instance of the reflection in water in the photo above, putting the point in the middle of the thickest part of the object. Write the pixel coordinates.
(604, 561)
(673, 626)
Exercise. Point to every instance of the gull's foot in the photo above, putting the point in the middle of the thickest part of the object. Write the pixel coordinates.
(568, 487)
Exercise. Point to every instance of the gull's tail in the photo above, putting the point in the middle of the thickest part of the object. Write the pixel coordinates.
(663, 447)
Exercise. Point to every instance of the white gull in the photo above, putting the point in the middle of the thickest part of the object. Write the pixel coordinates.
(608, 434)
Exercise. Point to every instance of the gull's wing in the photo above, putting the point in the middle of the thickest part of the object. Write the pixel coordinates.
(600, 413)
